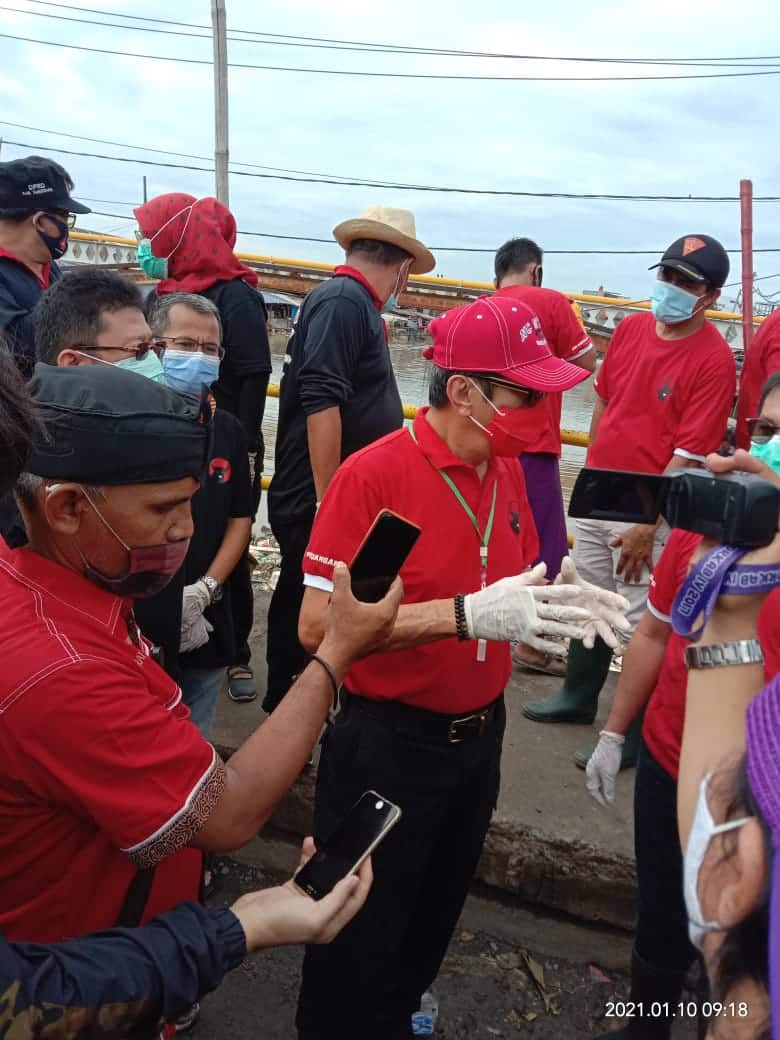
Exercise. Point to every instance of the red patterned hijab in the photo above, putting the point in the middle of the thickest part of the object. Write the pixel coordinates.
(197, 236)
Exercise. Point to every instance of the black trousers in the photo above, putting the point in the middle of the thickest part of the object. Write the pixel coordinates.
(369, 980)
(242, 604)
(662, 928)
(284, 654)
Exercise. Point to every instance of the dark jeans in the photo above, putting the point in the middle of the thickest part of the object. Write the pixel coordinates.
(369, 981)
(284, 654)
(662, 929)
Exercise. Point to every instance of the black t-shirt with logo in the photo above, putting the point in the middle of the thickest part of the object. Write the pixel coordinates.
(337, 358)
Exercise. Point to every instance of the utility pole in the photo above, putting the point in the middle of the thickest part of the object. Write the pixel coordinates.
(146, 197)
(746, 222)
(218, 26)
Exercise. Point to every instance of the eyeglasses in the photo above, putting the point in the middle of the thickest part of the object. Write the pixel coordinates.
(68, 219)
(139, 351)
(531, 397)
(192, 346)
(761, 430)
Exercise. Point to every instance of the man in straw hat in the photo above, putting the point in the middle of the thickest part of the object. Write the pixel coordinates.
(338, 395)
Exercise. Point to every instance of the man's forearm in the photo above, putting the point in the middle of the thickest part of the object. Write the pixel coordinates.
(232, 548)
(323, 430)
(681, 462)
(641, 668)
(265, 766)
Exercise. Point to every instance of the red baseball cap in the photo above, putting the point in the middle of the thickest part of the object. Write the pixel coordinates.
(502, 337)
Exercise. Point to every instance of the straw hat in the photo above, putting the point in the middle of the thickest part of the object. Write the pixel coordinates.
(386, 224)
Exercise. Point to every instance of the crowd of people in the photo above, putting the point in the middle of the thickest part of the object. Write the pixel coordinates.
(131, 456)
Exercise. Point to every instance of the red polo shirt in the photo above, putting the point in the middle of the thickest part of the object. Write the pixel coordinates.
(664, 397)
(567, 339)
(761, 361)
(395, 473)
(663, 726)
(43, 278)
(101, 770)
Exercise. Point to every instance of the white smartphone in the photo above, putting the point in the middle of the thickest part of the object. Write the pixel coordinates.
(367, 823)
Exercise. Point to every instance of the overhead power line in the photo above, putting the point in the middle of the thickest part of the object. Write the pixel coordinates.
(385, 185)
(287, 39)
(373, 74)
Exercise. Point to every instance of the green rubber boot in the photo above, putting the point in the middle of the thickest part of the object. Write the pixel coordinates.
(630, 747)
(586, 672)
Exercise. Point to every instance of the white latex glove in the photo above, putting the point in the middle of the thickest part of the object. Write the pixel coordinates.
(195, 628)
(520, 610)
(604, 766)
(607, 610)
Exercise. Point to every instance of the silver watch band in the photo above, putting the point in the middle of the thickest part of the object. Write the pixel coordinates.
(720, 655)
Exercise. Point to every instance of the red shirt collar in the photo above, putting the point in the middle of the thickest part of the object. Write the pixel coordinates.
(345, 271)
(42, 279)
(435, 449)
(51, 579)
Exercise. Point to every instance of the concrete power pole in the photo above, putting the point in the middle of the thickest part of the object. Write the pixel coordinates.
(218, 24)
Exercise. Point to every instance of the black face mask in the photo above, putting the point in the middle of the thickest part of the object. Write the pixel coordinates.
(56, 244)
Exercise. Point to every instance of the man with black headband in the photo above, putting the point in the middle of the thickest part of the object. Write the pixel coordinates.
(36, 214)
(107, 791)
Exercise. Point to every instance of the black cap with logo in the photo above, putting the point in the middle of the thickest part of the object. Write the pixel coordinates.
(699, 257)
(35, 183)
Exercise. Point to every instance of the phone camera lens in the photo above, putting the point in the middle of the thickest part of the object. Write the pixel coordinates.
(379, 805)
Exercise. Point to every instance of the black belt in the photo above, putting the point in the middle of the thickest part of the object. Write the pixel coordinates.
(450, 729)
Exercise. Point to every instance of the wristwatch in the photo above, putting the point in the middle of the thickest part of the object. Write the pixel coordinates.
(720, 655)
(214, 587)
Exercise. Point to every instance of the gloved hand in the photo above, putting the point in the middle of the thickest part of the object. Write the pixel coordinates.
(604, 766)
(520, 610)
(607, 610)
(195, 628)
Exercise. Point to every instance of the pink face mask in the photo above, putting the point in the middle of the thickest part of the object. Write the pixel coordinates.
(149, 568)
(510, 430)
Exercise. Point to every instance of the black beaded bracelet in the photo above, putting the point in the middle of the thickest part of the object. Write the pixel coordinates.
(461, 627)
(333, 681)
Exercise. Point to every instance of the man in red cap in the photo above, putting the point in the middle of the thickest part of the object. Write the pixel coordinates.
(422, 722)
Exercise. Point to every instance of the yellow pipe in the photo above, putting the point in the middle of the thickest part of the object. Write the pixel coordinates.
(420, 279)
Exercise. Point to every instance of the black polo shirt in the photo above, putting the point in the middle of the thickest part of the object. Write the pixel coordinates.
(337, 357)
(20, 290)
(224, 494)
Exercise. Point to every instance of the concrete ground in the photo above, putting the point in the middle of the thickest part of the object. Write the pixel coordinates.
(550, 845)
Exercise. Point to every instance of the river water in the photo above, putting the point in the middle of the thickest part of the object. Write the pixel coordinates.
(411, 371)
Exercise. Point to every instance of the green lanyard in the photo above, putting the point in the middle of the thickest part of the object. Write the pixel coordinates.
(483, 536)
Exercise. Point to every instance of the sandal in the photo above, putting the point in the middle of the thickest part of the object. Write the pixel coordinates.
(241, 684)
(526, 657)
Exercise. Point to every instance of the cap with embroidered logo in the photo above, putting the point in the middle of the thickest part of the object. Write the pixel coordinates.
(699, 257)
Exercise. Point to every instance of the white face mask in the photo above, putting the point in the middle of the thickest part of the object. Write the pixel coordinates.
(703, 830)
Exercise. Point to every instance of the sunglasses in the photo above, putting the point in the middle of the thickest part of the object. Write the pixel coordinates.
(531, 397)
(761, 430)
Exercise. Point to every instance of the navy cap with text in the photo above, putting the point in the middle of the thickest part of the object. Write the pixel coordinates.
(35, 183)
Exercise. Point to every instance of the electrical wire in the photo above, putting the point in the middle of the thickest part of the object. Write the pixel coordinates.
(373, 74)
(386, 185)
(392, 48)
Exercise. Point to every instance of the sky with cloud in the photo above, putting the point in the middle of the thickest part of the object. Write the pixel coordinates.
(685, 137)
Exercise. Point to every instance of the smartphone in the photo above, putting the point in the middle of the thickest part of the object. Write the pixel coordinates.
(381, 555)
(604, 494)
(367, 823)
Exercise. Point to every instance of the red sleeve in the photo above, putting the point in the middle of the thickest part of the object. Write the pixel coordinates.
(669, 572)
(346, 512)
(707, 408)
(569, 339)
(143, 773)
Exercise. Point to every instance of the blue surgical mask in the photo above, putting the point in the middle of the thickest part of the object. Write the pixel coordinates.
(392, 303)
(672, 305)
(768, 453)
(187, 371)
(151, 265)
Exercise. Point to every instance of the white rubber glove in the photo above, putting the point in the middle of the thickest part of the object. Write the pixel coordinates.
(604, 766)
(195, 628)
(607, 609)
(520, 610)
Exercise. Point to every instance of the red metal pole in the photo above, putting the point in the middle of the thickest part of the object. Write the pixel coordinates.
(746, 216)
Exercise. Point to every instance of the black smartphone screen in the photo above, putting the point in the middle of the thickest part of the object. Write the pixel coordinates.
(604, 494)
(369, 819)
(381, 556)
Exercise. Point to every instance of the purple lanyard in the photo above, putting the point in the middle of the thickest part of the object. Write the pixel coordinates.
(717, 574)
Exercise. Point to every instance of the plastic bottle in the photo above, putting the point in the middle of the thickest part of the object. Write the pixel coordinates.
(424, 1021)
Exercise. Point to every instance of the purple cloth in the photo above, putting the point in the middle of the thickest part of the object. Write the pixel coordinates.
(543, 486)
(763, 769)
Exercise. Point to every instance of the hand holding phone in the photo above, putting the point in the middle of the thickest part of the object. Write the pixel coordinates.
(381, 555)
(367, 823)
